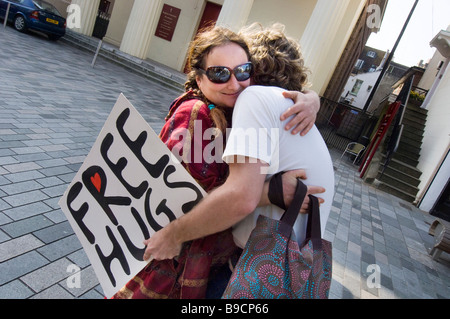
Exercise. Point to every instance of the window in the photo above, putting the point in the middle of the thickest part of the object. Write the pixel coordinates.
(371, 54)
(356, 87)
(359, 64)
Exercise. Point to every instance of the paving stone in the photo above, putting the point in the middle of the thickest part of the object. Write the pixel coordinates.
(25, 226)
(20, 265)
(60, 248)
(48, 275)
(21, 200)
(18, 246)
(15, 290)
(56, 171)
(5, 160)
(56, 216)
(54, 232)
(22, 212)
(55, 191)
(27, 150)
(22, 187)
(23, 176)
(50, 181)
(53, 292)
(92, 294)
(22, 167)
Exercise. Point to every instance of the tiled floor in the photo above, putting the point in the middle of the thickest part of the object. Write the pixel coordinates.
(372, 230)
(52, 107)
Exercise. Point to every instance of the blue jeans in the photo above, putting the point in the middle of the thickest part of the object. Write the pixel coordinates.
(218, 282)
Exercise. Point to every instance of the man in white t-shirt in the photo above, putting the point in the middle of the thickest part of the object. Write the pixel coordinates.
(278, 63)
(257, 109)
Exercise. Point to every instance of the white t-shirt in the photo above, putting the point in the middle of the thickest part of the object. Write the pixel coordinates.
(258, 133)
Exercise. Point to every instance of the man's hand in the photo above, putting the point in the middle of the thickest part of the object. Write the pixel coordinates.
(305, 109)
(162, 245)
(290, 184)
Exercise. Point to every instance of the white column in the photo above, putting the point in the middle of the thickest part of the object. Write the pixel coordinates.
(140, 27)
(89, 11)
(234, 14)
(118, 22)
(320, 33)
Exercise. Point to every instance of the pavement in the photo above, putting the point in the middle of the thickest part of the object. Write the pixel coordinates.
(53, 105)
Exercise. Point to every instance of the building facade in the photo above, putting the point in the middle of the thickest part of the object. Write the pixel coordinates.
(354, 48)
(362, 80)
(434, 162)
(161, 30)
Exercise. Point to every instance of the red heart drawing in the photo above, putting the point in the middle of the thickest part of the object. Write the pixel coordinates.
(97, 181)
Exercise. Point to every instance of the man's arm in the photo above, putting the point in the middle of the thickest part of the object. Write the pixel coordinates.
(233, 201)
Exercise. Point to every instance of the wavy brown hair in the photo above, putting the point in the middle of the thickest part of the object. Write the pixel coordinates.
(277, 58)
(200, 47)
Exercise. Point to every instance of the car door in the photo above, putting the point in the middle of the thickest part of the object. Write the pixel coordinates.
(3, 6)
(12, 10)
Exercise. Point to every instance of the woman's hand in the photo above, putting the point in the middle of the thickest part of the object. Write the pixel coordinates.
(305, 109)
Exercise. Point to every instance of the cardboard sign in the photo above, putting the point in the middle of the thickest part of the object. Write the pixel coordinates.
(129, 187)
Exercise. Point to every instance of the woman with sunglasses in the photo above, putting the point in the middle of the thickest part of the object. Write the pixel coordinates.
(220, 71)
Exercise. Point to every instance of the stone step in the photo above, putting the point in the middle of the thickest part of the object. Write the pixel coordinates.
(396, 192)
(401, 176)
(416, 109)
(410, 139)
(401, 166)
(414, 132)
(413, 124)
(398, 184)
(405, 159)
(415, 117)
(409, 150)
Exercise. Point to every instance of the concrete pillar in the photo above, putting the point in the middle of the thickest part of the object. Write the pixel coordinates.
(320, 33)
(89, 11)
(234, 14)
(140, 28)
(118, 22)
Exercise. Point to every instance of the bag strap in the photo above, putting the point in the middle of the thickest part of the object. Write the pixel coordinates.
(313, 231)
(276, 195)
(288, 219)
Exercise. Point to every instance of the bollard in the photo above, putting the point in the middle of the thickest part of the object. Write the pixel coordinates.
(6, 15)
(96, 53)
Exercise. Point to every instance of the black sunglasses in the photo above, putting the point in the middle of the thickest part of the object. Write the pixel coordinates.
(222, 74)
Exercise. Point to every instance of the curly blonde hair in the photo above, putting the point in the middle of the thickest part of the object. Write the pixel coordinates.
(200, 47)
(277, 58)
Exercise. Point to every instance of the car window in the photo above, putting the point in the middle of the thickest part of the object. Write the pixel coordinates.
(46, 6)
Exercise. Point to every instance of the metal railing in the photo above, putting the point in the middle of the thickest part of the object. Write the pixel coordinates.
(341, 124)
